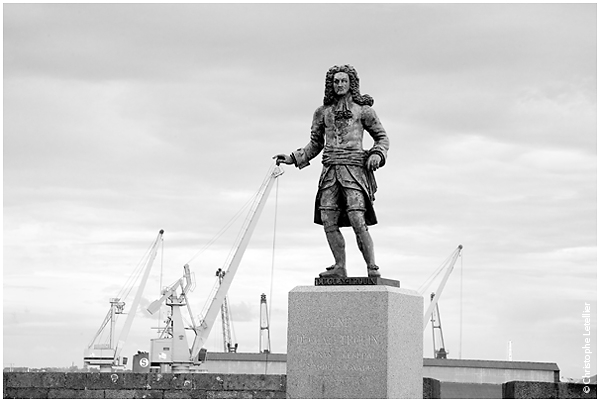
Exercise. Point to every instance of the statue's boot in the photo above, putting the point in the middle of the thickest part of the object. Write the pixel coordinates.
(373, 271)
(334, 271)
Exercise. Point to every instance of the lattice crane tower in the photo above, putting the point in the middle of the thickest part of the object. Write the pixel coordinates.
(265, 334)
(436, 323)
(226, 320)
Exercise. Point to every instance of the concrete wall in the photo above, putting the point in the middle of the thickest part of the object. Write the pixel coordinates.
(155, 386)
(548, 390)
(245, 363)
(479, 375)
(461, 390)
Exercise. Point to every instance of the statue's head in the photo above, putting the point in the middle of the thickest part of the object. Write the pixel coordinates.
(330, 93)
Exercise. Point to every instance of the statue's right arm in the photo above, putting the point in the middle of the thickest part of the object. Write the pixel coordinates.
(302, 156)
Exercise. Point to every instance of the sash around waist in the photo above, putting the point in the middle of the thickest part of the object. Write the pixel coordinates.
(336, 156)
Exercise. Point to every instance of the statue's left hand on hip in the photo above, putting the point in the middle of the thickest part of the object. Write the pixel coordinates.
(373, 162)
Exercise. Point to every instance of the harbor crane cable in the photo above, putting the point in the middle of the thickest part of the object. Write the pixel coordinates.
(273, 249)
(135, 274)
(423, 288)
(223, 229)
(226, 227)
(126, 289)
(272, 266)
(460, 309)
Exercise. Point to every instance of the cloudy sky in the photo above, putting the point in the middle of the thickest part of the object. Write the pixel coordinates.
(121, 120)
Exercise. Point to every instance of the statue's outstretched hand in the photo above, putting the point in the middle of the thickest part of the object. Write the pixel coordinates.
(283, 158)
(373, 162)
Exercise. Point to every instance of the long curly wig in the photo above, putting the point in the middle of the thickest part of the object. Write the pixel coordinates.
(329, 99)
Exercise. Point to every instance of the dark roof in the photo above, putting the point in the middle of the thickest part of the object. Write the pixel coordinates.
(497, 364)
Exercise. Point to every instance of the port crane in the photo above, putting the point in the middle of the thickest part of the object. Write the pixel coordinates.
(108, 355)
(433, 313)
(172, 343)
(171, 353)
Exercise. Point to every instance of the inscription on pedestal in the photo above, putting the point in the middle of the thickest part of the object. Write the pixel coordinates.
(369, 281)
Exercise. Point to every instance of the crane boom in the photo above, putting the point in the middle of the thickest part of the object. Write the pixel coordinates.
(138, 295)
(440, 288)
(203, 330)
(108, 356)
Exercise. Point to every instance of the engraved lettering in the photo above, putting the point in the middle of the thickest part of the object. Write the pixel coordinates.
(358, 340)
(345, 281)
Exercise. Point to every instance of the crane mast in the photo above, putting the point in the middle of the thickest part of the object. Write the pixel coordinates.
(228, 345)
(436, 323)
(265, 333)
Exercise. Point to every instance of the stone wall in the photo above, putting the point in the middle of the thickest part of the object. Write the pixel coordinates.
(547, 390)
(142, 385)
(156, 386)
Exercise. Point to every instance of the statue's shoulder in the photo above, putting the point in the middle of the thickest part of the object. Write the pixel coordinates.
(367, 111)
(321, 111)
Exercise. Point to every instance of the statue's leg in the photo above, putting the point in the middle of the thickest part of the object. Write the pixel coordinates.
(335, 238)
(330, 214)
(356, 215)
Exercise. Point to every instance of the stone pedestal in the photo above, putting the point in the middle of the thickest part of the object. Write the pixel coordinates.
(362, 342)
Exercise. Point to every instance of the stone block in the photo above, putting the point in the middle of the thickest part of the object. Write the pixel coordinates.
(185, 394)
(354, 342)
(22, 380)
(89, 394)
(431, 388)
(212, 382)
(160, 381)
(268, 395)
(76, 380)
(182, 381)
(119, 393)
(577, 391)
(253, 382)
(133, 394)
(229, 395)
(53, 380)
(547, 390)
(25, 393)
(135, 380)
(105, 381)
(57, 393)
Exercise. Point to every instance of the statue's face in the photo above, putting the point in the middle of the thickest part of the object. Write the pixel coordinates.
(341, 83)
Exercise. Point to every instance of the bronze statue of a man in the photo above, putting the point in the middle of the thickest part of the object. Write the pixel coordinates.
(347, 184)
